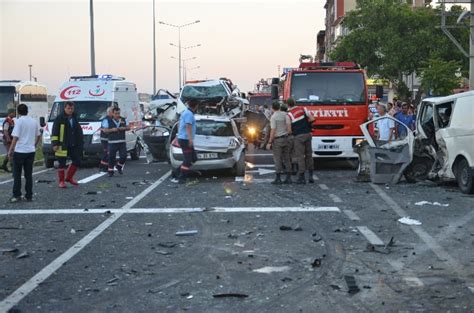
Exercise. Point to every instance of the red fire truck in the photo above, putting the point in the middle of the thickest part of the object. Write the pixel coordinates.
(336, 94)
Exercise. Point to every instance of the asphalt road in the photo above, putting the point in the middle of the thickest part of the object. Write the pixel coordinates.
(111, 245)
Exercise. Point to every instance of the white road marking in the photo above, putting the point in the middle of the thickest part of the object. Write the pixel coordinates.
(323, 187)
(335, 198)
(91, 178)
(351, 215)
(407, 275)
(170, 210)
(370, 236)
(423, 235)
(35, 173)
(250, 179)
(19, 294)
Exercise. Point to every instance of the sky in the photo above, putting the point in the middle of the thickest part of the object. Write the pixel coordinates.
(242, 40)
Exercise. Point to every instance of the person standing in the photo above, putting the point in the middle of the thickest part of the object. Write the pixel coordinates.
(186, 134)
(25, 138)
(385, 126)
(7, 126)
(404, 117)
(280, 125)
(116, 127)
(301, 127)
(104, 140)
(67, 141)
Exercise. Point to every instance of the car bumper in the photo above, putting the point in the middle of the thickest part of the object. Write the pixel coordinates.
(335, 147)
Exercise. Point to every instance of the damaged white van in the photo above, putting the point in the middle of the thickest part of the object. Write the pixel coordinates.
(442, 150)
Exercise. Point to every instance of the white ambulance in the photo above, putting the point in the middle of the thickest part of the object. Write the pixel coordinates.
(92, 95)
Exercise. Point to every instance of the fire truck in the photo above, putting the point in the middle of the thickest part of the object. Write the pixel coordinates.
(336, 94)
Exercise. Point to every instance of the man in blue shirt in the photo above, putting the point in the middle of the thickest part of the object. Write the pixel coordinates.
(186, 134)
(404, 118)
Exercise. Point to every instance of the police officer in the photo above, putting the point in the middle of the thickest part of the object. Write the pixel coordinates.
(67, 141)
(301, 126)
(116, 127)
(280, 125)
(7, 126)
(104, 140)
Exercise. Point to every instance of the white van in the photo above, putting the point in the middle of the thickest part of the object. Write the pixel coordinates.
(92, 95)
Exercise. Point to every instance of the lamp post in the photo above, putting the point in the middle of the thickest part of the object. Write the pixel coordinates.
(179, 43)
(186, 70)
(183, 66)
(154, 51)
(30, 66)
(91, 8)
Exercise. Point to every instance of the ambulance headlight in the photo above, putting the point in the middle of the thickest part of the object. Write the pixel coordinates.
(46, 137)
(96, 137)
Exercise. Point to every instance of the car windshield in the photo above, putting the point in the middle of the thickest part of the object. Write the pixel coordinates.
(214, 128)
(6, 100)
(203, 92)
(328, 88)
(86, 111)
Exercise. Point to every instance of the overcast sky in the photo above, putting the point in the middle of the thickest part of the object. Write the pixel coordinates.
(242, 40)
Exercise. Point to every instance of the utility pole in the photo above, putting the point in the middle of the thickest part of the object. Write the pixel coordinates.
(154, 51)
(30, 66)
(91, 7)
(471, 48)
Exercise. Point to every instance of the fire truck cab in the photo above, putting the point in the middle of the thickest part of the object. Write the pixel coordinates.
(335, 93)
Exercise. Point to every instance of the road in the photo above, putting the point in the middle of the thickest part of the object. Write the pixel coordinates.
(111, 245)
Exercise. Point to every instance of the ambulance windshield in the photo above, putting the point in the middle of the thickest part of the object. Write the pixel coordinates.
(86, 111)
(6, 100)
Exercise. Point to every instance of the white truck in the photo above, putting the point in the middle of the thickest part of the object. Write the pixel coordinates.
(92, 95)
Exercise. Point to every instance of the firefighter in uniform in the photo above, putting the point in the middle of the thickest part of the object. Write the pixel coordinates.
(301, 126)
(116, 127)
(104, 140)
(7, 126)
(67, 141)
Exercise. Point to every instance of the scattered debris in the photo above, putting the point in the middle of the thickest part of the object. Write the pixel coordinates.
(431, 203)
(186, 233)
(230, 295)
(9, 227)
(367, 287)
(316, 263)
(148, 224)
(285, 228)
(129, 198)
(163, 252)
(73, 231)
(113, 280)
(286, 279)
(409, 221)
(335, 287)
(298, 228)
(120, 186)
(107, 212)
(233, 236)
(371, 248)
(391, 243)
(316, 237)
(91, 193)
(272, 269)
(8, 251)
(168, 244)
(23, 255)
(351, 284)
(44, 181)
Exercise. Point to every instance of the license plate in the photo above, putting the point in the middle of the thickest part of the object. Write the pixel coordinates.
(202, 156)
(328, 147)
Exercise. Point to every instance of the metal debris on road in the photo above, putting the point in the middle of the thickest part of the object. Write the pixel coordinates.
(285, 228)
(8, 251)
(129, 198)
(432, 203)
(44, 181)
(186, 233)
(163, 252)
(351, 284)
(230, 295)
(73, 231)
(316, 263)
(168, 244)
(272, 269)
(120, 186)
(409, 221)
(23, 255)
(148, 224)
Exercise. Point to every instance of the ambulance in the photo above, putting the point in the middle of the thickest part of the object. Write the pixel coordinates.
(92, 95)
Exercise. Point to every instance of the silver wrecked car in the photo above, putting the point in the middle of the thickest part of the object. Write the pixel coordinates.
(218, 145)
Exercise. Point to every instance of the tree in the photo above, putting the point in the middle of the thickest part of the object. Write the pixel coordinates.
(392, 39)
(440, 77)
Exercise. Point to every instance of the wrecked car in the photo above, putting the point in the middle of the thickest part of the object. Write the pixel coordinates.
(442, 150)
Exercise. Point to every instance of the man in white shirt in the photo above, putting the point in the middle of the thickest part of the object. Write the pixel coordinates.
(26, 136)
(385, 126)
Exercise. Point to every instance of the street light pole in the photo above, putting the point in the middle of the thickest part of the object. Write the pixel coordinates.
(91, 7)
(30, 66)
(154, 51)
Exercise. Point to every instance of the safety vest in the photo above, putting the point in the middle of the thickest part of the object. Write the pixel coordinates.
(299, 121)
(63, 135)
(11, 124)
(118, 137)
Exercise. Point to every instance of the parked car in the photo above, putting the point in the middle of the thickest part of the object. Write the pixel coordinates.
(218, 145)
(442, 150)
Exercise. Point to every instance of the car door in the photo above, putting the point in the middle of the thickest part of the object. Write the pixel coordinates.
(388, 159)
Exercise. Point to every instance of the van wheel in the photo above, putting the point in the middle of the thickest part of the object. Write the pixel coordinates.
(239, 168)
(418, 169)
(48, 163)
(465, 177)
(135, 153)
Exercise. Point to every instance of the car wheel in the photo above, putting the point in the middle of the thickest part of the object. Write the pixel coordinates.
(418, 169)
(48, 163)
(240, 166)
(465, 177)
(135, 153)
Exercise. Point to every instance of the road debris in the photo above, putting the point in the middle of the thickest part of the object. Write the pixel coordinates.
(186, 233)
(335, 287)
(298, 228)
(230, 295)
(129, 198)
(409, 221)
(351, 284)
(8, 251)
(316, 263)
(148, 224)
(168, 244)
(23, 255)
(113, 280)
(163, 252)
(73, 231)
(91, 193)
(120, 186)
(272, 269)
(9, 228)
(285, 228)
(432, 203)
(44, 181)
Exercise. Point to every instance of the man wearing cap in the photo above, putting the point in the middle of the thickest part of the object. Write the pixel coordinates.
(7, 126)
